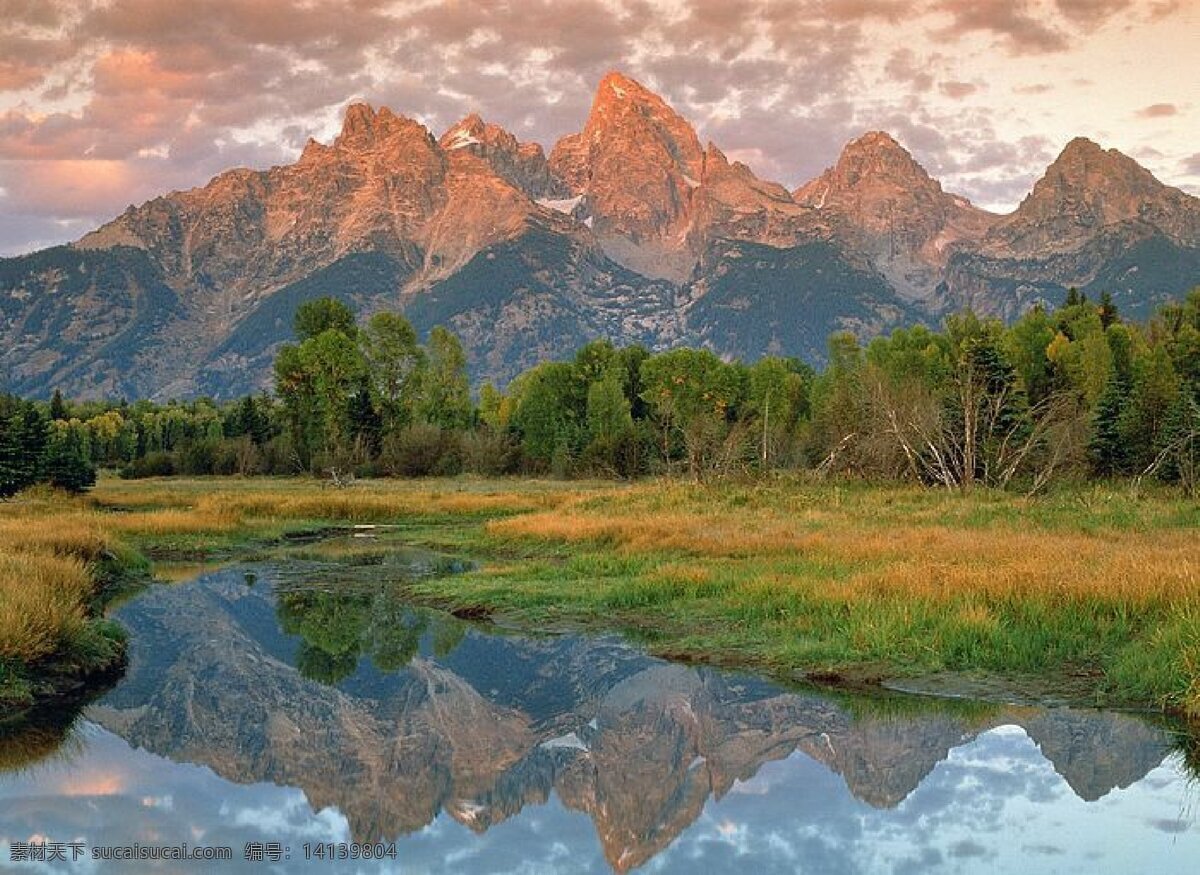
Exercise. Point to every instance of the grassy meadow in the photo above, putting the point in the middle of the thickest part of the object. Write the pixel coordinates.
(1095, 588)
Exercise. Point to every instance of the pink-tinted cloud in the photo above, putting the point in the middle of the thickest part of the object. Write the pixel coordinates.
(958, 90)
(1091, 12)
(1020, 30)
(1158, 110)
(68, 188)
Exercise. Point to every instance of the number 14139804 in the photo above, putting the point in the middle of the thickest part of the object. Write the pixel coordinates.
(349, 851)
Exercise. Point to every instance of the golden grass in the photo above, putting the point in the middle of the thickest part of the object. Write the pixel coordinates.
(220, 505)
(175, 521)
(80, 534)
(801, 575)
(42, 600)
(931, 562)
(701, 534)
(47, 548)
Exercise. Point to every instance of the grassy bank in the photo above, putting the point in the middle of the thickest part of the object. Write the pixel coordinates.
(1096, 588)
(62, 558)
(58, 563)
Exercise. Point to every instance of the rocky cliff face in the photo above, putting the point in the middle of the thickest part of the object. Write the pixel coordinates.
(238, 255)
(636, 164)
(1096, 220)
(630, 230)
(653, 196)
(522, 165)
(1088, 189)
(882, 201)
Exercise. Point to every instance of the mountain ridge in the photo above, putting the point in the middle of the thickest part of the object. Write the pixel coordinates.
(624, 230)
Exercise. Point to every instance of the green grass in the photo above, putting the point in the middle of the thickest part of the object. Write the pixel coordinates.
(858, 581)
(1093, 588)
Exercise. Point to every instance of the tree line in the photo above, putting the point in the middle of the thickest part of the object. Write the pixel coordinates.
(1070, 393)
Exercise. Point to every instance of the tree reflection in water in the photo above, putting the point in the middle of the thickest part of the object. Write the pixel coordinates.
(339, 629)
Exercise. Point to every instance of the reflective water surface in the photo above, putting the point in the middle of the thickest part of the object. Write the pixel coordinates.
(270, 703)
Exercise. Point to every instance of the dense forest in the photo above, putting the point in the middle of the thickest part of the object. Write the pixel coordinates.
(1072, 393)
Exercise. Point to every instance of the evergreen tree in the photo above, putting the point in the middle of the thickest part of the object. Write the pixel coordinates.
(1106, 448)
(1108, 311)
(58, 407)
(1179, 442)
(66, 464)
(14, 470)
(366, 424)
(22, 444)
(251, 418)
(1153, 390)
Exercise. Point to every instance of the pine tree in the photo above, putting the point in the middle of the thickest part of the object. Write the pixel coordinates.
(1108, 311)
(22, 444)
(58, 407)
(66, 464)
(13, 475)
(1179, 442)
(1106, 448)
(366, 425)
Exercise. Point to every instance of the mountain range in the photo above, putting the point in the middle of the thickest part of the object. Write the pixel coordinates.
(630, 229)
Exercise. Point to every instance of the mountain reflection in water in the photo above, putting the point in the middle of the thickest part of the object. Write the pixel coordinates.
(282, 706)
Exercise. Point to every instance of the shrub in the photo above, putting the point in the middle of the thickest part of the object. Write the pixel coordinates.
(421, 450)
(157, 464)
(490, 452)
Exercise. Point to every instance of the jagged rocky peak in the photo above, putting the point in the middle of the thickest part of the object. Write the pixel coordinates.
(631, 134)
(718, 168)
(364, 126)
(877, 154)
(884, 202)
(637, 163)
(376, 141)
(1088, 188)
(1089, 181)
(872, 172)
(522, 165)
(628, 106)
(732, 203)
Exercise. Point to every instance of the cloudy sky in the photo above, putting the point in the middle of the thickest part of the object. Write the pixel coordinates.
(994, 805)
(104, 103)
